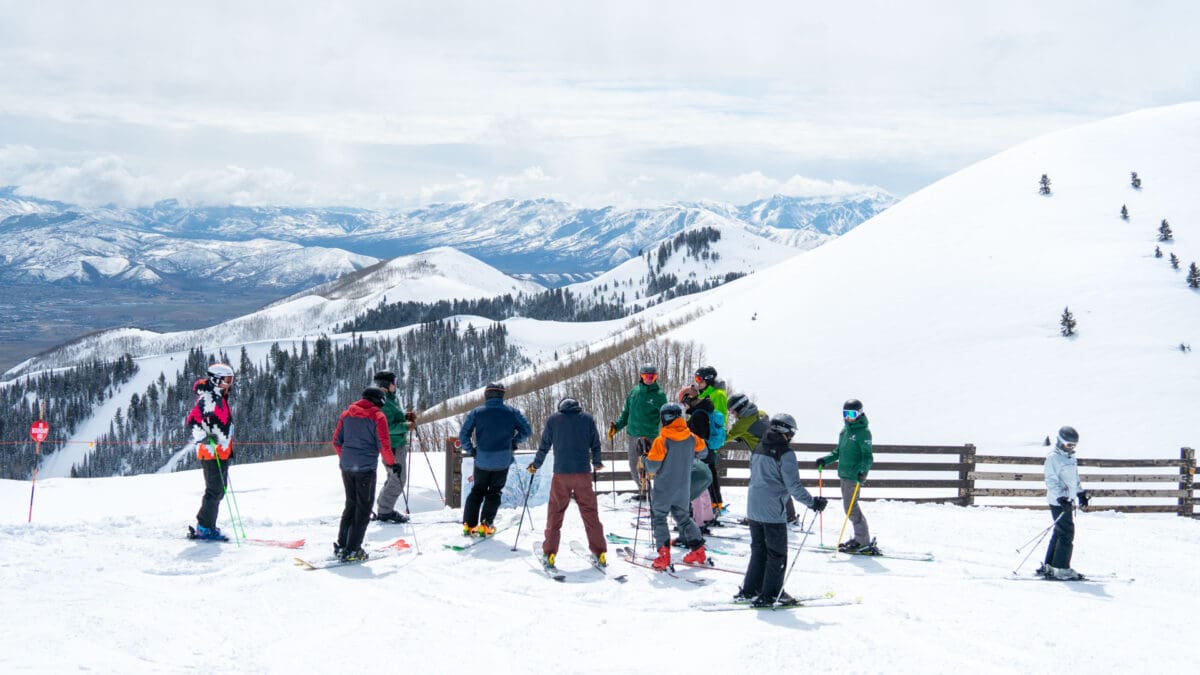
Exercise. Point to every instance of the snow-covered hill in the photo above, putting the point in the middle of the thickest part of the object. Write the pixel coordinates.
(942, 313)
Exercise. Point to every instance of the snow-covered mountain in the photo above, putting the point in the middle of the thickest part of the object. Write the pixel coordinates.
(943, 313)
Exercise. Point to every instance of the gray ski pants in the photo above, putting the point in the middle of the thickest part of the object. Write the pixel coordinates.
(392, 488)
(861, 534)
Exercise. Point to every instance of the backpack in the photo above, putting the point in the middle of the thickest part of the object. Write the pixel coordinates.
(716, 430)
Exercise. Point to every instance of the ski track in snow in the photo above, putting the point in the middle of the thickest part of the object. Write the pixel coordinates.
(104, 580)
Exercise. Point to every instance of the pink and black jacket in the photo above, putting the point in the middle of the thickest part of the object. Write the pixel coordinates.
(210, 422)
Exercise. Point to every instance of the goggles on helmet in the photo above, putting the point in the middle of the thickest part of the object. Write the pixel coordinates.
(649, 377)
(851, 415)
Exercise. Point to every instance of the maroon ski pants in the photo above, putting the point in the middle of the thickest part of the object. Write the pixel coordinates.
(562, 488)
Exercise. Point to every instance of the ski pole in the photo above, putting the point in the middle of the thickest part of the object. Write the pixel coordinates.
(612, 473)
(821, 493)
(848, 510)
(798, 548)
(233, 519)
(1039, 535)
(1039, 541)
(638, 517)
(404, 488)
(523, 509)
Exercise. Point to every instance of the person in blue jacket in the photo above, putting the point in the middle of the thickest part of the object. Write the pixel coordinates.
(490, 433)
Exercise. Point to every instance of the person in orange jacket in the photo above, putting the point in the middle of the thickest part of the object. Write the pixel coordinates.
(360, 438)
(669, 465)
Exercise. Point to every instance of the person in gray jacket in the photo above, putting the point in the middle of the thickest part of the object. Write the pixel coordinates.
(774, 480)
(1062, 481)
(669, 465)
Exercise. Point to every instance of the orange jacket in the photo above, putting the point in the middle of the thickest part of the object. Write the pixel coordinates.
(676, 432)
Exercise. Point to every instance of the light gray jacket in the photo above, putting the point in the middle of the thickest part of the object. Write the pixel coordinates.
(774, 475)
(1062, 476)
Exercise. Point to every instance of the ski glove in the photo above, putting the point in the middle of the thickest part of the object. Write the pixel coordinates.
(598, 467)
(650, 475)
(821, 464)
(818, 504)
(532, 469)
(1064, 502)
(411, 417)
(862, 478)
(1084, 498)
(395, 468)
(612, 430)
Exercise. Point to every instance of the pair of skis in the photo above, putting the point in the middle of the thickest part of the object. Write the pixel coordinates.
(279, 543)
(554, 573)
(395, 548)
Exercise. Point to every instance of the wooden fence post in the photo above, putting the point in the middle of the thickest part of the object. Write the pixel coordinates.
(453, 474)
(966, 493)
(1186, 472)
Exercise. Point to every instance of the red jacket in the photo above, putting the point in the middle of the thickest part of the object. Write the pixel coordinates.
(360, 437)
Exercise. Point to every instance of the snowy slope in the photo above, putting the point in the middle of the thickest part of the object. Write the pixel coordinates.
(101, 580)
(942, 313)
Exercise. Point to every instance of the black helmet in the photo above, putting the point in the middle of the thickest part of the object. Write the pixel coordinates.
(669, 413)
(852, 404)
(1067, 435)
(648, 370)
(384, 378)
(374, 395)
(783, 423)
(739, 403)
(707, 373)
(494, 390)
(569, 405)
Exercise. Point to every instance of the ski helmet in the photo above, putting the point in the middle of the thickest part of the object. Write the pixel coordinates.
(783, 423)
(384, 378)
(648, 370)
(669, 413)
(739, 403)
(374, 395)
(852, 404)
(494, 390)
(707, 374)
(569, 405)
(220, 371)
(1067, 438)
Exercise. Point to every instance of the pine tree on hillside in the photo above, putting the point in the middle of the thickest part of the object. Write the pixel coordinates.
(1124, 213)
(1135, 181)
(1067, 322)
(1174, 261)
(1164, 231)
(1157, 252)
(1045, 185)
(1193, 277)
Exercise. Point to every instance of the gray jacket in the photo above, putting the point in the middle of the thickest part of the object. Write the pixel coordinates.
(774, 475)
(1062, 476)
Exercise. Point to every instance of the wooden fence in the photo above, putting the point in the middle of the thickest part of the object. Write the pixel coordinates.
(942, 474)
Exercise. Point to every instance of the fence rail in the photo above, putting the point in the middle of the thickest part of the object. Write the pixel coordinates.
(899, 471)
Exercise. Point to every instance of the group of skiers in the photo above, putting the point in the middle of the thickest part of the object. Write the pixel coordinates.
(672, 451)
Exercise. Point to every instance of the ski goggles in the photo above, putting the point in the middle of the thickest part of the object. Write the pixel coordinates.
(851, 415)
(649, 377)
(1068, 446)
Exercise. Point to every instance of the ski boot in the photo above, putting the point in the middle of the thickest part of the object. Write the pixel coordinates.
(869, 549)
(849, 546)
(1045, 571)
(602, 559)
(468, 531)
(663, 561)
(696, 556)
(743, 597)
(485, 530)
(393, 517)
(1064, 574)
(357, 555)
(206, 533)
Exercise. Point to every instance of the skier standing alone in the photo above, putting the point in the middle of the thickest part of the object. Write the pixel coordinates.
(669, 465)
(774, 481)
(210, 422)
(640, 416)
(359, 439)
(573, 435)
(490, 433)
(1062, 481)
(854, 459)
(399, 424)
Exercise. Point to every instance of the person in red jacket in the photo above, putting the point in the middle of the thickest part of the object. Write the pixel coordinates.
(361, 436)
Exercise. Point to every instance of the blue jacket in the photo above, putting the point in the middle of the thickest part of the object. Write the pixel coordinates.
(774, 475)
(573, 434)
(497, 428)
(361, 435)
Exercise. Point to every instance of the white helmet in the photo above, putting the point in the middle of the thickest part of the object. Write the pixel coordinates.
(218, 371)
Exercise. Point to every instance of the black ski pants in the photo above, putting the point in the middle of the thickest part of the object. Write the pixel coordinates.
(714, 488)
(486, 492)
(768, 558)
(1062, 542)
(360, 491)
(215, 480)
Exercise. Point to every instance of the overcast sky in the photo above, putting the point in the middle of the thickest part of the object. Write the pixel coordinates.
(397, 104)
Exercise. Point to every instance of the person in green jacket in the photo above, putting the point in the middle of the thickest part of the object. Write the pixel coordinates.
(639, 417)
(854, 458)
(398, 426)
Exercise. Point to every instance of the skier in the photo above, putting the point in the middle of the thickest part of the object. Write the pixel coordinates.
(854, 457)
(640, 416)
(709, 387)
(774, 481)
(210, 422)
(576, 442)
(750, 426)
(668, 466)
(1062, 480)
(360, 438)
(497, 430)
(699, 421)
(398, 427)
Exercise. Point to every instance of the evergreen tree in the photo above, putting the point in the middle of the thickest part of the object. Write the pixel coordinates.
(1124, 213)
(1193, 277)
(1157, 252)
(1135, 181)
(1045, 185)
(1164, 231)
(1067, 322)
(1174, 261)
